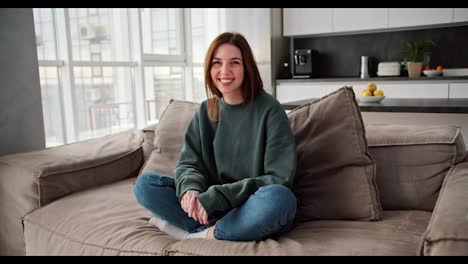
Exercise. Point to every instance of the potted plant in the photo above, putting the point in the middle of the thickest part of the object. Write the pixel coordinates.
(414, 55)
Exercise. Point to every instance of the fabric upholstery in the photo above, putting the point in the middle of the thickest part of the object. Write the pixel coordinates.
(169, 137)
(34, 179)
(108, 220)
(397, 234)
(105, 220)
(412, 162)
(335, 176)
(447, 233)
(148, 140)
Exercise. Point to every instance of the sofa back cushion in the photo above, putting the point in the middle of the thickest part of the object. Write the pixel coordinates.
(412, 162)
(169, 137)
(335, 176)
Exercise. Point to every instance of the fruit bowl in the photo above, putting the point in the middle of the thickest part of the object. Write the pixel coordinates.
(370, 99)
(432, 73)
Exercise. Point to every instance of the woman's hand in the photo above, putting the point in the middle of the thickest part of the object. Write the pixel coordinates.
(189, 203)
(201, 214)
(192, 206)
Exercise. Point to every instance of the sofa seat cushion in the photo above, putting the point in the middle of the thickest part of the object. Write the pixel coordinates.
(398, 233)
(105, 220)
(412, 162)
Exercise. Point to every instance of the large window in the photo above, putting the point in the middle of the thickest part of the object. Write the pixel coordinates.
(105, 70)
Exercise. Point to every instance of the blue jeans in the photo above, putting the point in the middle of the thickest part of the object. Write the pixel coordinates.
(269, 212)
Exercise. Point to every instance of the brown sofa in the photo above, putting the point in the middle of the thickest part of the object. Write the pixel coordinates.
(77, 199)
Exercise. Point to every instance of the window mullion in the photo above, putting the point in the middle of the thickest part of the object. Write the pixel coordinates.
(163, 57)
(103, 64)
(66, 73)
(138, 70)
(51, 63)
(186, 33)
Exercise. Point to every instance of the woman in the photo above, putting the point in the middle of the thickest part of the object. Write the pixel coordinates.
(238, 160)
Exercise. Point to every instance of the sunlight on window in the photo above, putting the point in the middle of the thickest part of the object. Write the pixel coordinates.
(103, 102)
(122, 66)
(51, 107)
(161, 31)
(99, 34)
(162, 84)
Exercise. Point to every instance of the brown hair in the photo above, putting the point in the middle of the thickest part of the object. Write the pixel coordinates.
(252, 83)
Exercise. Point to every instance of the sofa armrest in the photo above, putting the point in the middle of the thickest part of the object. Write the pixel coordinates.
(447, 232)
(31, 180)
(148, 142)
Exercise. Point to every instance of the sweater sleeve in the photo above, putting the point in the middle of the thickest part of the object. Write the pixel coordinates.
(190, 172)
(279, 167)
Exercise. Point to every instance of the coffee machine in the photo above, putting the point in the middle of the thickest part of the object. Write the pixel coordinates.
(305, 63)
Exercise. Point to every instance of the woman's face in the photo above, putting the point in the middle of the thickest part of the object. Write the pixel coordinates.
(227, 72)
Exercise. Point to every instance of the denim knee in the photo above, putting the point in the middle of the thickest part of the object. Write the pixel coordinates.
(147, 183)
(281, 201)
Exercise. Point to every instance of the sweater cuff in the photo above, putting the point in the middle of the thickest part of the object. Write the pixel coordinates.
(212, 202)
(191, 185)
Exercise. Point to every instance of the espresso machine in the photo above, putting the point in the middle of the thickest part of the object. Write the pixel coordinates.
(305, 63)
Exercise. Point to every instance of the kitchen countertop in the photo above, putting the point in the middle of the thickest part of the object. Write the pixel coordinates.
(430, 105)
(375, 79)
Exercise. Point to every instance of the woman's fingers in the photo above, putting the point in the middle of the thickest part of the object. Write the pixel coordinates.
(202, 215)
(194, 208)
(186, 202)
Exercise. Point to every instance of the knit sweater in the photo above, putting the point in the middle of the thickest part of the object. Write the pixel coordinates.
(227, 161)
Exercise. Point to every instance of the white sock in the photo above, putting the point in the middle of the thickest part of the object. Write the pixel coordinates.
(169, 228)
(202, 234)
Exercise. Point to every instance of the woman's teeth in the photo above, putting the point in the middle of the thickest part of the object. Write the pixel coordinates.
(225, 81)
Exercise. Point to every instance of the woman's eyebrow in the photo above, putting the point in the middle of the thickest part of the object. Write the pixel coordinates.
(234, 58)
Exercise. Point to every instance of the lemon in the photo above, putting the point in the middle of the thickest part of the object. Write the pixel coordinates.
(378, 93)
(366, 92)
(372, 87)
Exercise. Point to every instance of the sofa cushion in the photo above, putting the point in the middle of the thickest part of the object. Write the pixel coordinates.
(412, 162)
(108, 220)
(169, 137)
(65, 169)
(34, 179)
(335, 176)
(397, 234)
(105, 220)
(447, 233)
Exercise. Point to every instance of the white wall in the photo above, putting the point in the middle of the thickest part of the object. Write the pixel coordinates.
(21, 125)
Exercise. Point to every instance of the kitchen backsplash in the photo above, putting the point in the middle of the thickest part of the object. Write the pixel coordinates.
(340, 56)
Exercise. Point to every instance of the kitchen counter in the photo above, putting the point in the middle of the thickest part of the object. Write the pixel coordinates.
(453, 105)
(422, 79)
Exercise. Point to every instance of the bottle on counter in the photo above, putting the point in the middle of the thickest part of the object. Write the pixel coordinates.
(364, 67)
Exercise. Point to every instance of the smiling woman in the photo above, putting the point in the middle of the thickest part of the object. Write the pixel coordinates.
(238, 156)
(227, 73)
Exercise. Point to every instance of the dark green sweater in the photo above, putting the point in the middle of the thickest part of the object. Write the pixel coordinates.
(227, 161)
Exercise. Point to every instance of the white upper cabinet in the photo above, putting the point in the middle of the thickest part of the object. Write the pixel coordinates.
(409, 17)
(460, 14)
(318, 21)
(306, 21)
(351, 19)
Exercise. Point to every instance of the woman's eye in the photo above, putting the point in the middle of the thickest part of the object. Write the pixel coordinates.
(216, 62)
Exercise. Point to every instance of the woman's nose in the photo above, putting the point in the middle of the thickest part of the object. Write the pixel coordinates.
(225, 67)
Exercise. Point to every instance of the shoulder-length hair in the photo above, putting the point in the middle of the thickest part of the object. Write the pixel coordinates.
(252, 83)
